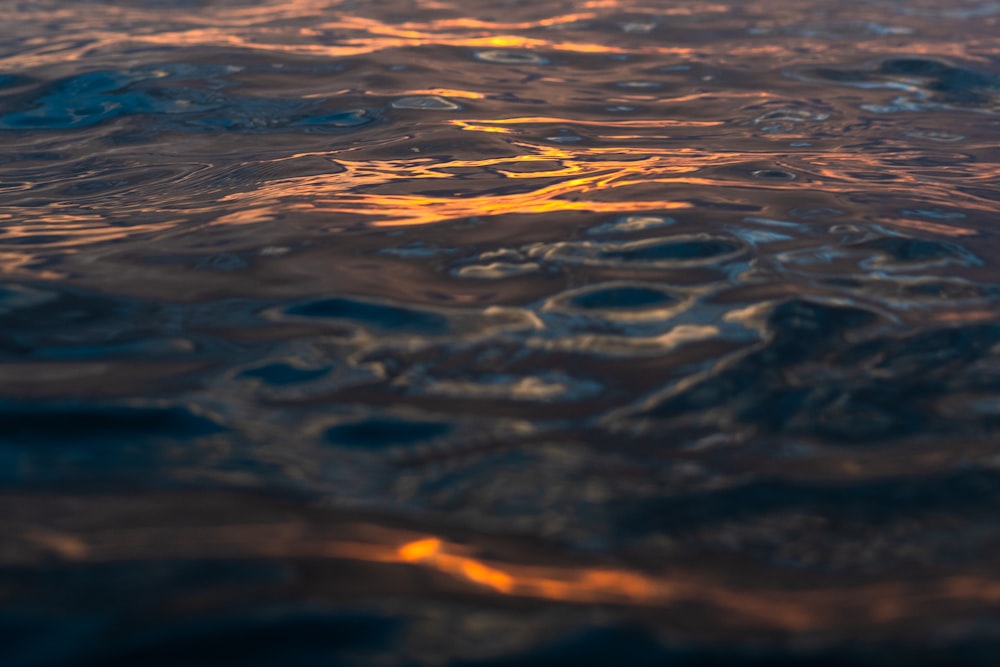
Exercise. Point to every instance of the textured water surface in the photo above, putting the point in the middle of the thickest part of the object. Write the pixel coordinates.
(499, 332)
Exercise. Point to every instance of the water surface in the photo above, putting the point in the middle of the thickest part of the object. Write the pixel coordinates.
(499, 333)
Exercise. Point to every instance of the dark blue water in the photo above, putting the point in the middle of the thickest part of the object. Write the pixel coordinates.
(418, 333)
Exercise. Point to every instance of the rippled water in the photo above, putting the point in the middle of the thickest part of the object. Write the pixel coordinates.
(499, 333)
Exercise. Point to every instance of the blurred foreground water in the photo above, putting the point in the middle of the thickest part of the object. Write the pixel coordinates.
(481, 333)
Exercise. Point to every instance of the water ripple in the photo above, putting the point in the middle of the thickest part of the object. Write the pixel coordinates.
(478, 334)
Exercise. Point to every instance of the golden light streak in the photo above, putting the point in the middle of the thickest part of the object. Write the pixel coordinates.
(569, 178)
(541, 120)
(798, 610)
(445, 92)
(51, 231)
(790, 609)
(491, 26)
(333, 34)
(584, 181)
(420, 549)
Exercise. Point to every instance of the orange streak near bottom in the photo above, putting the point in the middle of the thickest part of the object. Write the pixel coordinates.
(793, 610)
(797, 609)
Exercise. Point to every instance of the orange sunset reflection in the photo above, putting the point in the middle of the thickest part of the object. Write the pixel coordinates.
(464, 332)
(738, 603)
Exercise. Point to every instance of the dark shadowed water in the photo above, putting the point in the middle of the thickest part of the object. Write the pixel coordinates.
(494, 332)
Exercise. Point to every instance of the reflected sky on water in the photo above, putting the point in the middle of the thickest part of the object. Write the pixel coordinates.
(499, 333)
